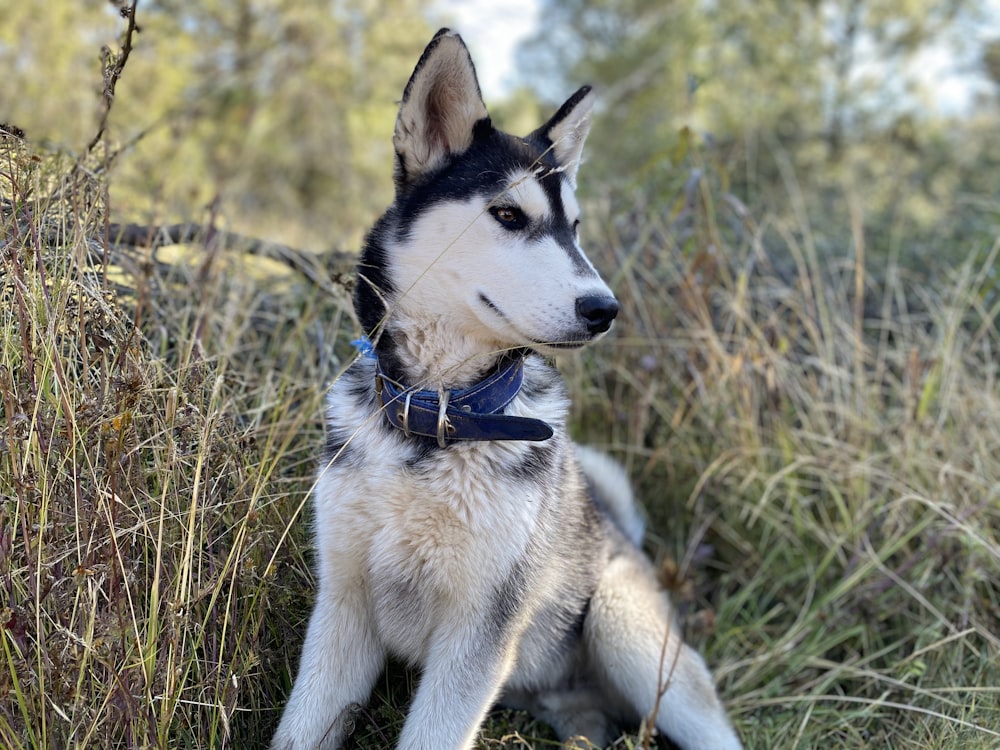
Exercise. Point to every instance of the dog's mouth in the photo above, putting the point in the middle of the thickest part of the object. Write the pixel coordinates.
(564, 343)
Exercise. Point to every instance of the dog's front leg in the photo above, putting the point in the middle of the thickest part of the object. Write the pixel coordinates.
(463, 675)
(341, 659)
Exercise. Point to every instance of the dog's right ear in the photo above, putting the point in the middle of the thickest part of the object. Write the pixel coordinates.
(441, 108)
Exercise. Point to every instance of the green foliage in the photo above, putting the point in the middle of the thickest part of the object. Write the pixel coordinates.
(811, 417)
(262, 111)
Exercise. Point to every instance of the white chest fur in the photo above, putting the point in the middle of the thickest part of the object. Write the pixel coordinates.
(426, 542)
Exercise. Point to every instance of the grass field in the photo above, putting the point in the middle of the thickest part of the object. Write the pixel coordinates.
(817, 442)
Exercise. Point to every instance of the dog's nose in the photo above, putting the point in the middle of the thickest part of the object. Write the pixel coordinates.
(597, 312)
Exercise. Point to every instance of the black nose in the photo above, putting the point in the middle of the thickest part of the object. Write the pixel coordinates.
(597, 312)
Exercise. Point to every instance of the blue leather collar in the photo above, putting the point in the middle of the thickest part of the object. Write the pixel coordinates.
(473, 413)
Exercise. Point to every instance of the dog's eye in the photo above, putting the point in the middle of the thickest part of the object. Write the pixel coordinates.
(509, 216)
(576, 227)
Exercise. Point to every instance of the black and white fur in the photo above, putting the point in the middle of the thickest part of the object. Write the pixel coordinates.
(504, 571)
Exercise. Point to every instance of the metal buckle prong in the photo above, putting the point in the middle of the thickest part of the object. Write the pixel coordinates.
(405, 417)
(443, 422)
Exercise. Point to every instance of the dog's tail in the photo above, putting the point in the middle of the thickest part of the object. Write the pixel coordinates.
(611, 490)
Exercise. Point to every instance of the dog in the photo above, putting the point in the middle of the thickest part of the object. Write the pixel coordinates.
(457, 526)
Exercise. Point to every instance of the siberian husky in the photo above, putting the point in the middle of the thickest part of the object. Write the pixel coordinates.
(457, 526)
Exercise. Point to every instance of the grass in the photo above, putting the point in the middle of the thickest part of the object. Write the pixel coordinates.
(818, 450)
(158, 444)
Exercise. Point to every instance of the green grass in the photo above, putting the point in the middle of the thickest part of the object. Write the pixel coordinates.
(818, 450)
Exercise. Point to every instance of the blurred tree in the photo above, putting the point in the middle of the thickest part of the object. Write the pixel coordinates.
(815, 69)
(291, 106)
(276, 112)
(50, 63)
(837, 90)
(639, 55)
(991, 61)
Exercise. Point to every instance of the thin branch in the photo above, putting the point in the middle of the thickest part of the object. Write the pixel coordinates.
(114, 65)
(329, 274)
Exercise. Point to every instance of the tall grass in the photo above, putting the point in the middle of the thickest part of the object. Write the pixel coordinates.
(157, 446)
(818, 449)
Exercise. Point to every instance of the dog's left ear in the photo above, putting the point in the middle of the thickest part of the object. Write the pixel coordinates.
(441, 108)
(566, 132)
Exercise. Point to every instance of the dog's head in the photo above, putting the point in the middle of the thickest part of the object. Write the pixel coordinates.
(484, 227)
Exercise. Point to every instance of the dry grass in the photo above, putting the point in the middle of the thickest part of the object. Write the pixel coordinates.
(158, 446)
(819, 452)
(830, 448)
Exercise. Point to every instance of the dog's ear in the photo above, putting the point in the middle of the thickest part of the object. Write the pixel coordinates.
(442, 108)
(567, 130)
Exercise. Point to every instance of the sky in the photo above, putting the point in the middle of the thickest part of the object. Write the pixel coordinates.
(492, 32)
